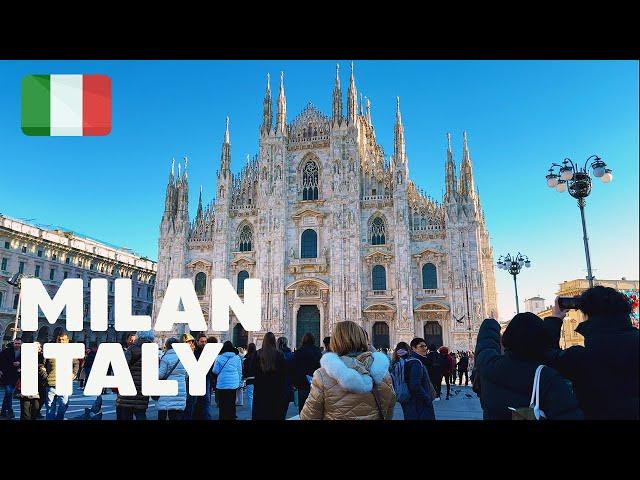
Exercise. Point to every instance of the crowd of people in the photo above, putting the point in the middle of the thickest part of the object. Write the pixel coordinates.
(523, 374)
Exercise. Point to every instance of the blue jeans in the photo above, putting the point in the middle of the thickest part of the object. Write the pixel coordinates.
(7, 406)
(56, 404)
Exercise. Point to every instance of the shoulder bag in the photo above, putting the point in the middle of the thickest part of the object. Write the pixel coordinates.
(533, 411)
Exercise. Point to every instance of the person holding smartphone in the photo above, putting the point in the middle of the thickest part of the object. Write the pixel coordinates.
(609, 357)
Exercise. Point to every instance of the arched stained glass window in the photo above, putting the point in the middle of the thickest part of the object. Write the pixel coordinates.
(310, 181)
(379, 278)
(245, 239)
(201, 283)
(242, 276)
(429, 276)
(377, 232)
(309, 244)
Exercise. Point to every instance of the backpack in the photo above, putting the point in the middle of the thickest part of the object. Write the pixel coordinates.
(399, 379)
(437, 361)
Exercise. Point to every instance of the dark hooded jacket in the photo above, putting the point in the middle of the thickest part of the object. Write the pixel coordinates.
(609, 358)
(507, 379)
(306, 361)
(134, 360)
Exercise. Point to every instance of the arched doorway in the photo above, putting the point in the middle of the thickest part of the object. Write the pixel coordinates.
(380, 335)
(308, 320)
(240, 336)
(433, 334)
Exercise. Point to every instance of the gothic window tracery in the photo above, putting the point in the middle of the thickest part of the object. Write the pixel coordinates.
(245, 239)
(377, 232)
(310, 181)
(242, 276)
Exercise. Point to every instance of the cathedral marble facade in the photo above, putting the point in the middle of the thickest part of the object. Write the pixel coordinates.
(336, 231)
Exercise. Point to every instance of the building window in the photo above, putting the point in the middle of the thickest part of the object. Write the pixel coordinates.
(15, 301)
(377, 232)
(92, 266)
(37, 272)
(309, 244)
(24, 249)
(4, 264)
(1, 297)
(242, 276)
(52, 273)
(379, 278)
(138, 294)
(65, 275)
(67, 260)
(310, 181)
(21, 267)
(7, 245)
(40, 253)
(201, 283)
(429, 276)
(245, 238)
(55, 256)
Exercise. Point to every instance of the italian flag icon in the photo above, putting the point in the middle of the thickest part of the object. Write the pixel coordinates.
(66, 105)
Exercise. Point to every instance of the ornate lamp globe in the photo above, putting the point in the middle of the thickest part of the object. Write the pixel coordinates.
(552, 180)
(527, 264)
(607, 176)
(561, 187)
(566, 173)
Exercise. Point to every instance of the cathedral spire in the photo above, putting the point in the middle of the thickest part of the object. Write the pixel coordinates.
(399, 152)
(361, 110)
(337, 99)
(199, 213)
(170, 195)
(352, 99)
(281, 126)
(267, 118)
(368, 114)
(466, 171)
(225, 158)
(450, 179)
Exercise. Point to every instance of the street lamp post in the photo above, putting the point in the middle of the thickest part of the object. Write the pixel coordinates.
(513, 264)
(579, 182)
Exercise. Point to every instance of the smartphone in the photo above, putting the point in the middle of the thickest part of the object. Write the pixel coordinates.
(569, 303)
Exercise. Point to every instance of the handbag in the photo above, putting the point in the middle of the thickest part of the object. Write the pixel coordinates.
(533, 411)
(155, 398)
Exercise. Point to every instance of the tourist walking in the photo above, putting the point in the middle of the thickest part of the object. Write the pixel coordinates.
(463, 368)
(135, 405)
(411, 382)
(433, 362)
(508, 379)
(249, 374)
(445, 361)
(352, 382)
(171, 407)
(30, 404)
(283, 348)
(202, 408)
(453, 364)
(228, 371)
(9, 374)
(57, 404)
(609, 358)
(269, 385)
(306, 360)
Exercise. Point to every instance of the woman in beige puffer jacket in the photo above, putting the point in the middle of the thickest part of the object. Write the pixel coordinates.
(342, 388)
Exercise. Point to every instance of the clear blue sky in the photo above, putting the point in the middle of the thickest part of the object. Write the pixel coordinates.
(520, 116)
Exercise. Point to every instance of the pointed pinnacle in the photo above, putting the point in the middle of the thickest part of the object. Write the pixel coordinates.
(398, 116)
(449, 141)
(226, 131)
(337, 74)
(173, 162)
(281, 81)
(268, 83)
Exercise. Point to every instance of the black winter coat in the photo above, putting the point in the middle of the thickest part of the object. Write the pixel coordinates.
(306, 360)
(609, 358)
(134, 360)
(268, 390)
(463, 364)
(434, 364)
(249, 369)
(507, 381)
(9, 372)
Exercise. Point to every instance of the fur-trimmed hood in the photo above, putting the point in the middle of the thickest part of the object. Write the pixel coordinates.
(355, 374)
